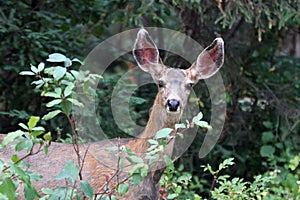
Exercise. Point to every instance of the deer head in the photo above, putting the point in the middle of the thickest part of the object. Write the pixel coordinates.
(175, 84)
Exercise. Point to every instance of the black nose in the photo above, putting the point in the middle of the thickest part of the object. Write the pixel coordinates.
(173, 105)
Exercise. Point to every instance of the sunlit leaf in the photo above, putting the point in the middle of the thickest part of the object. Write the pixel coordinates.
(12, 136)
(59, 72)
(51, 114)
(56, 57)
(198, 117)
(75, 102)
(53, 102)
(27, 73)
(34, 69)
(163, 133)
(68, 90)
(32, 122)
(41, 67)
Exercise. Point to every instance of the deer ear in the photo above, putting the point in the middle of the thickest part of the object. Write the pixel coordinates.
(145, 51)
(208, 62)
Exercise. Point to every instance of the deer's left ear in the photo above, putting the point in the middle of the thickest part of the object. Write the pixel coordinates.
(208, 62)
(145, 51)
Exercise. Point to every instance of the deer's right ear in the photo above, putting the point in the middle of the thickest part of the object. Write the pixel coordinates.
(145, 51)
(208, 62)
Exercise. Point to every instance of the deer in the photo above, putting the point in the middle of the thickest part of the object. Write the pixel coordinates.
(174, 87)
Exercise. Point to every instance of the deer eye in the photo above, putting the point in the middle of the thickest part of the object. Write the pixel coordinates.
(190, 85)
(161, 83)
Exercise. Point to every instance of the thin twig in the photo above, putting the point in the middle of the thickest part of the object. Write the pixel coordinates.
(26, 156)
(212, 185)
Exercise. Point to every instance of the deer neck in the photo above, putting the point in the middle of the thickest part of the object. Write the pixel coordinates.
(159, 119)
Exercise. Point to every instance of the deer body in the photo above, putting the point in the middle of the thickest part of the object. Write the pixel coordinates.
(99, 165)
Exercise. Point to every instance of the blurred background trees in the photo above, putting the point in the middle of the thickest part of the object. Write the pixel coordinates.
(261, 70)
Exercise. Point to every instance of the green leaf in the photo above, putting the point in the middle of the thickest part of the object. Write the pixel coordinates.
(268, 136)
(37, 133)
(8, 188)
(29, 145)
(121, 163)
(111, 149)
(35, 177)
(87, 189)
(14, 158)
(267, 151)
(41, 67)
(75, 102)
(12, 136)
(69, 172)
(268, 124)
(52, 94)
(144, 171)
(68, 90)
(23, 126)
(172, 196)
(182, 125)
(153, 142)
(294, 162)
(58, 91)
(30, 192)
(67, 62)
(45, 149)
(3, 197)
(197, 118)
(34, 69)
(65, 193)
(38, 128)
(163, 133)
(137, 100)
(2, 164)
(47, 136)
(74, 73)
(136, 168)
(134, 159)
(178, 189)
(51, 114)
(123, 188)
(203, 124)
(33, 121)
(20, 146)
(77, 60)
(169, 162)
(136, 179)
(59, 72)
(37, 82)
(27, 73)
(66, 107)
(53, 102)
(47, 191)
(180, 135)
(22, 175)
(226, 163)
(57, 57)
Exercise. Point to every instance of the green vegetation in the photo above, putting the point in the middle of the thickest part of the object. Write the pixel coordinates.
(261, 75)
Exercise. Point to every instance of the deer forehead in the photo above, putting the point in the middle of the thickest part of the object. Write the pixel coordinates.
(174, 76)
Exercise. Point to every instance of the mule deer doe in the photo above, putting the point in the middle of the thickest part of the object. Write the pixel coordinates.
(174, 87)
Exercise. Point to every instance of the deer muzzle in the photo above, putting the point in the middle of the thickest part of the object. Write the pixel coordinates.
(173, 105)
